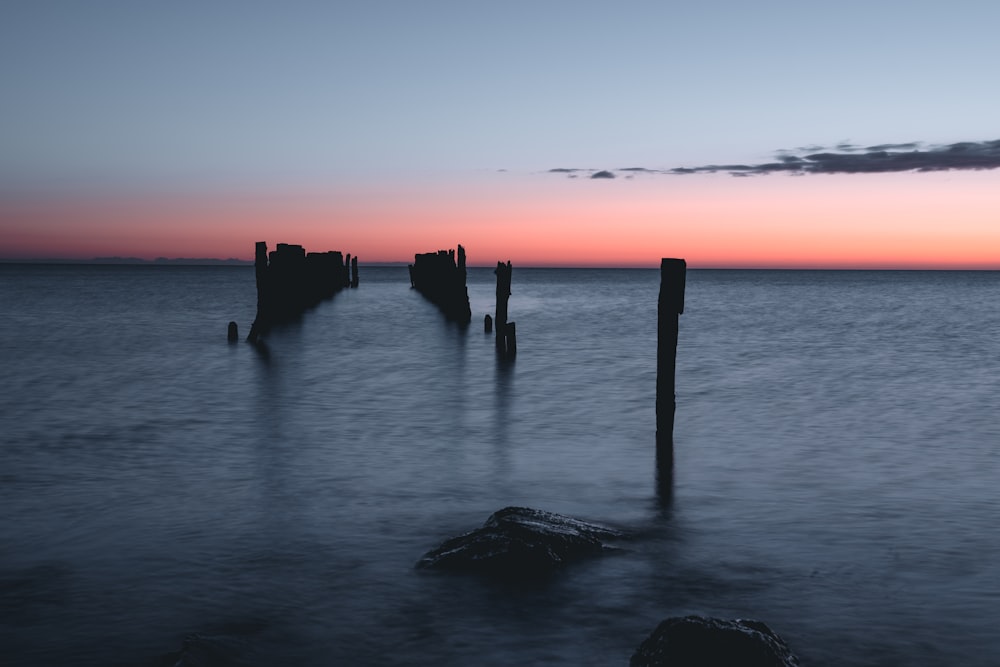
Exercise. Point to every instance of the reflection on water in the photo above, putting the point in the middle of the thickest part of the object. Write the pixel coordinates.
(503, 386)
(834, 467)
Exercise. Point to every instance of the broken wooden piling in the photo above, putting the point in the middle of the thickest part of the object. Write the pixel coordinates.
(506, 341)
(673, 274)
(290, 281)
(441, 279)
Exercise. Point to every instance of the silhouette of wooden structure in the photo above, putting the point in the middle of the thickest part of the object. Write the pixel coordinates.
(291, 281)
(440, 277)
(673, 274)
(506, 341)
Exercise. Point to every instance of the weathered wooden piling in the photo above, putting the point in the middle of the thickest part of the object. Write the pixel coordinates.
(354, 271)
(233, 333)
(488, 323)
(290, 281)
(509, 348)
(673, 273)
(441, 279)
(506, 342)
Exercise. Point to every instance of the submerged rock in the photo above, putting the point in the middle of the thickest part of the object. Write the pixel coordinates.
(696, 641)
(521, 541)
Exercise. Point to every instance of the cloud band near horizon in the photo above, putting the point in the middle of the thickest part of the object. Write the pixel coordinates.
(844, 158)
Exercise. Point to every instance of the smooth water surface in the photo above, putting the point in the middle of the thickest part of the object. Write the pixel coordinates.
(836, 466)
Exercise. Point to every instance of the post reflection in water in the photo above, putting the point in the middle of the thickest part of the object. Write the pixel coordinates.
(503, 386)
(834, 471)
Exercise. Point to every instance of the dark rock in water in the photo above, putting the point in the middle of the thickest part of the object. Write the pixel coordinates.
(518, 541)
(696, 641)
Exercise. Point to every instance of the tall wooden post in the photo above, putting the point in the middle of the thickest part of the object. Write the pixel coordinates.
(260, 271)
(505, 342)
(673, 274)
(503, 293)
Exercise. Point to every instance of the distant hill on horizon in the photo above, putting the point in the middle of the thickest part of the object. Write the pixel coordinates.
(191, 261)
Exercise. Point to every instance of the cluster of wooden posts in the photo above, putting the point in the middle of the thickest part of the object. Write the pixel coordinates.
(442, 280)
(290, 281)
(441, 277)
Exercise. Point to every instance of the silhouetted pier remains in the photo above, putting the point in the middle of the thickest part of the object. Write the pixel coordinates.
(506, 331)
(291, 281)
(441, 279)
(673, 274)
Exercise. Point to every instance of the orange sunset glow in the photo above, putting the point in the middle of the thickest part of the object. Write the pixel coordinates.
(939, 220)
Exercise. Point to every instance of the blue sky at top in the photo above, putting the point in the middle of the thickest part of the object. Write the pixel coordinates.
(126, 93)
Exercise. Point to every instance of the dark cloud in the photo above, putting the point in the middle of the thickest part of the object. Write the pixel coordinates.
(807, 149)
(845, 158)
(849, 159)
(576, 172)
(894, 147)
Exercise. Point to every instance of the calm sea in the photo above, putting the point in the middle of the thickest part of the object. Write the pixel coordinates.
(837, 467)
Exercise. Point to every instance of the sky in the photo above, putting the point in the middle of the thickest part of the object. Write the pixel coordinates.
(732, 134)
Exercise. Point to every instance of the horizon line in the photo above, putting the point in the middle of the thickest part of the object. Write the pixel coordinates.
(234, 261)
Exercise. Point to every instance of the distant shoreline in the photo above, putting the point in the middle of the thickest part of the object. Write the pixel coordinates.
(132, 261)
